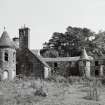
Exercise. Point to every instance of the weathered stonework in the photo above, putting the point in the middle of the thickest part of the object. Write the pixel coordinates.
(7, 58)
(24, 40)
(28, 64)
(10, 65)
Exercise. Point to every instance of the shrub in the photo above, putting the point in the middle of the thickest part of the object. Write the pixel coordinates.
(74, 79)
(40, 92)
(51, 78)
(103, 80)
(94, 92)
(61, 79)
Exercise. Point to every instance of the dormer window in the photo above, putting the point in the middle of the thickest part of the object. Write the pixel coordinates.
(6, 56)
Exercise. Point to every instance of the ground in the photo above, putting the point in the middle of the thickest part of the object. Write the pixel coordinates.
(22, 92)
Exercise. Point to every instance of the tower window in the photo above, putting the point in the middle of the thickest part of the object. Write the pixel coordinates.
(6, 56)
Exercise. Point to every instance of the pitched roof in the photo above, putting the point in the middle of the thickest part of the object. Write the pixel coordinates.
(5, 40)
(36, 51)
(39, 57)
(84, 55)
(20, 52)
(61, 59)
(64, 59)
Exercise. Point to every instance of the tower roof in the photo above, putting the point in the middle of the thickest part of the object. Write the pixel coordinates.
(84, 55)
(5, 40)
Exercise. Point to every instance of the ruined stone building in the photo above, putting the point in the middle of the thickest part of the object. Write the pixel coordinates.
(82, 65)
(71, 66)
(28, 62)
(17, 58)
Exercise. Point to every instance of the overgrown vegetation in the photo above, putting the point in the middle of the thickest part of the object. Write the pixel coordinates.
(72, 41)
(22, 91)
(94, 90)
(54, 90)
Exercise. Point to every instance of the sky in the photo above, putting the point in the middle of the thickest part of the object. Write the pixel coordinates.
(44, 17)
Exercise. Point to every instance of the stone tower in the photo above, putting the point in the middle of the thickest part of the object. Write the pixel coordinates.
(7, 57)
(24, 34)
(84, 63)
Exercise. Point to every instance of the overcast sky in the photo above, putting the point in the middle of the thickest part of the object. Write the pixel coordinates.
(44, 17)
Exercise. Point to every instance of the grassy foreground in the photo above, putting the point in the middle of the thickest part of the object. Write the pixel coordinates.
(48, 92)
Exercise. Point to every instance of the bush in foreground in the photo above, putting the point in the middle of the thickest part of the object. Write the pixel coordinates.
(94, 90)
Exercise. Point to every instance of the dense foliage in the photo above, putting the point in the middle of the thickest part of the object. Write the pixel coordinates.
(72, 41)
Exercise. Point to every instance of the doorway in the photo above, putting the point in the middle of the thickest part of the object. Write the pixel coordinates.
(5, 75)
(97, 73)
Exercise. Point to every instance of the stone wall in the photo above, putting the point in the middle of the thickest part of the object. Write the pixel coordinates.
(65, 68)
(10, 65)
(29, 65)
(24, 40)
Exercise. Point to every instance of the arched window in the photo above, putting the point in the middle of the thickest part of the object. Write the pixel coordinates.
(6, 56)
(5, 75)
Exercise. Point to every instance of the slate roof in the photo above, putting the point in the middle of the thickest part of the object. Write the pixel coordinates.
(20, 52)
(84, 55)
(63, 59)
(40, 58)
(5, 40)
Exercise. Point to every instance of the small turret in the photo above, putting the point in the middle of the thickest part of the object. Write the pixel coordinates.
(5, 40)
(7, 57)
(84, 64)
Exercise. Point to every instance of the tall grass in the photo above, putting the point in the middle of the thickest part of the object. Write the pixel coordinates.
(94, 90)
